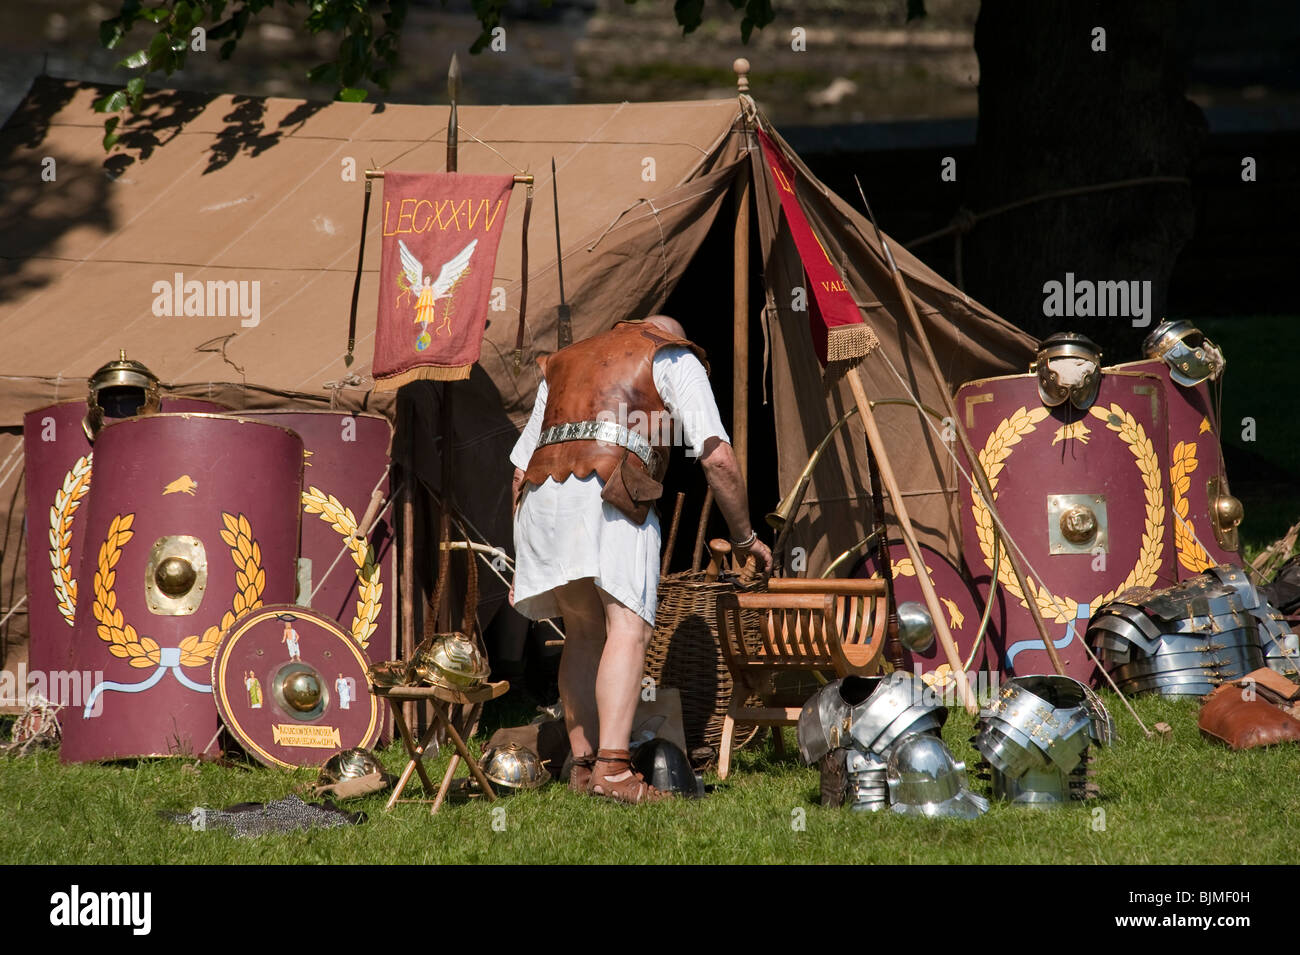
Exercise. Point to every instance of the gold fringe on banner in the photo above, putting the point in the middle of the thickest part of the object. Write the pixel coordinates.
(423, 373)
(849, 342)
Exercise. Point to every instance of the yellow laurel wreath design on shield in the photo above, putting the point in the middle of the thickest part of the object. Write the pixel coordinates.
(1181, 468)
(332, 511)
(196, 650)
(993, 458)
(66, 501)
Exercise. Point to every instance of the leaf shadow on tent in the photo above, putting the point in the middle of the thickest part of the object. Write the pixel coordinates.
(38, 212)
(246, 131)
(36, 216)
(164, 117)
(160, 120)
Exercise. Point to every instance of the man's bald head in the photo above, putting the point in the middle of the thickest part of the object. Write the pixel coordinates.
(669, 325)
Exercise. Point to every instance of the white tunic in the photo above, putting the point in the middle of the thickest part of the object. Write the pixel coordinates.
(564, 531)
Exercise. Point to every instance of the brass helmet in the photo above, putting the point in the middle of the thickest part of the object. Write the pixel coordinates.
(348, 764)
(1191, 356)
(1068, 366)
(453, 661)
(120, 389)
(514, 767)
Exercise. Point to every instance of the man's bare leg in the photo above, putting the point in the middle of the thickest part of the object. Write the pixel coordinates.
(584, 641)
(618, 687)
(618, 684)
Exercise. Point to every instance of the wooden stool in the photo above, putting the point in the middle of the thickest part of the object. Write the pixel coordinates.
(440, 699)
(836, 625)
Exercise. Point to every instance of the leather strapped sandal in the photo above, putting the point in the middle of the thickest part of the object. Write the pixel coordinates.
(620, 782)
(580, 772)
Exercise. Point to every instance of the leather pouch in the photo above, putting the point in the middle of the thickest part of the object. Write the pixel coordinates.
(1245, 723)
(631, 489)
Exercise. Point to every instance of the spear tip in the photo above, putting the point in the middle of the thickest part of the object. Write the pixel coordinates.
(453, 78)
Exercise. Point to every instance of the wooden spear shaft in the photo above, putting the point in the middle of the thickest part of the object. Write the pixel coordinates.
(977, 470)
(913, 548)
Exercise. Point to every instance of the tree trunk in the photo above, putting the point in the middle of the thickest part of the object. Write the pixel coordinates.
(1056, 114)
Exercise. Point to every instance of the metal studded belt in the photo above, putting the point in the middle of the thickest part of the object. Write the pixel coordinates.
(608, 431)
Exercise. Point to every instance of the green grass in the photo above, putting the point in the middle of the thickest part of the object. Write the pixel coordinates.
(1181, 801)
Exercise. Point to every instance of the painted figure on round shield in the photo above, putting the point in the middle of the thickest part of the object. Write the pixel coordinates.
(343, 687)
(290, 639)
(254, 686)
(588, 468)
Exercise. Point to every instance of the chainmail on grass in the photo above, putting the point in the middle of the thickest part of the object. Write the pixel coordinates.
(246, 820)
(37, 728)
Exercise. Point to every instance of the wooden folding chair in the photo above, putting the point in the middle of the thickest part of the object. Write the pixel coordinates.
(441, 700)
(822, 626)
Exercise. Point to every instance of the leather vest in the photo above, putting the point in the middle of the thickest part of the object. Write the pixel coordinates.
(608, 377)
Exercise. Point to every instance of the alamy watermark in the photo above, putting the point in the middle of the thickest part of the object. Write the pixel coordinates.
(70, 688)
(76, 907)
(1085, 298)
(942, 691)
(211, 299)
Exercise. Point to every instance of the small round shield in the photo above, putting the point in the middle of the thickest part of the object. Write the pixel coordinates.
(291, 686)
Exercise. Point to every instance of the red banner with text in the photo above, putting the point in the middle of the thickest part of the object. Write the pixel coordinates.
(834, 319)
(440, 238)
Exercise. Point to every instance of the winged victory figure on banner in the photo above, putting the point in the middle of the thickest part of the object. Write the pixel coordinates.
(431, 290)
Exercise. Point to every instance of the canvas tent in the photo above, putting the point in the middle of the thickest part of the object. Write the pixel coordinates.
(269, 191)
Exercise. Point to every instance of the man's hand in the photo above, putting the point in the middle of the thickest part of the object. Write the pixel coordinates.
(760, 552)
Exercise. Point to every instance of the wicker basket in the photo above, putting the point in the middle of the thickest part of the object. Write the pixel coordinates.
(685, 653)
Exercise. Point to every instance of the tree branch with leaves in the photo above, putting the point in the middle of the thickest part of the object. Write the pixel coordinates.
(368, 32)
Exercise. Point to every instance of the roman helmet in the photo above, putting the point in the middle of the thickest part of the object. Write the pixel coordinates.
(120, 389)
(453, 661)
(348, 764)
(514, 767)
(1191, 357)
(666, 768)
(925, 780)
(1069, 367)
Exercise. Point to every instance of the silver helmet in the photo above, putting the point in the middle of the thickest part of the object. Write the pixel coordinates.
(925, 780)
(1069, 367)
(1191, 357)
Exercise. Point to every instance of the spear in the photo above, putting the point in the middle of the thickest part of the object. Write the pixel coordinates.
(453, 92)
(564, 324)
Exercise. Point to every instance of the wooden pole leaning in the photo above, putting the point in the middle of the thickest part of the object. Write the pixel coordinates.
(740, 321)
(977, 469)
(932, 603)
